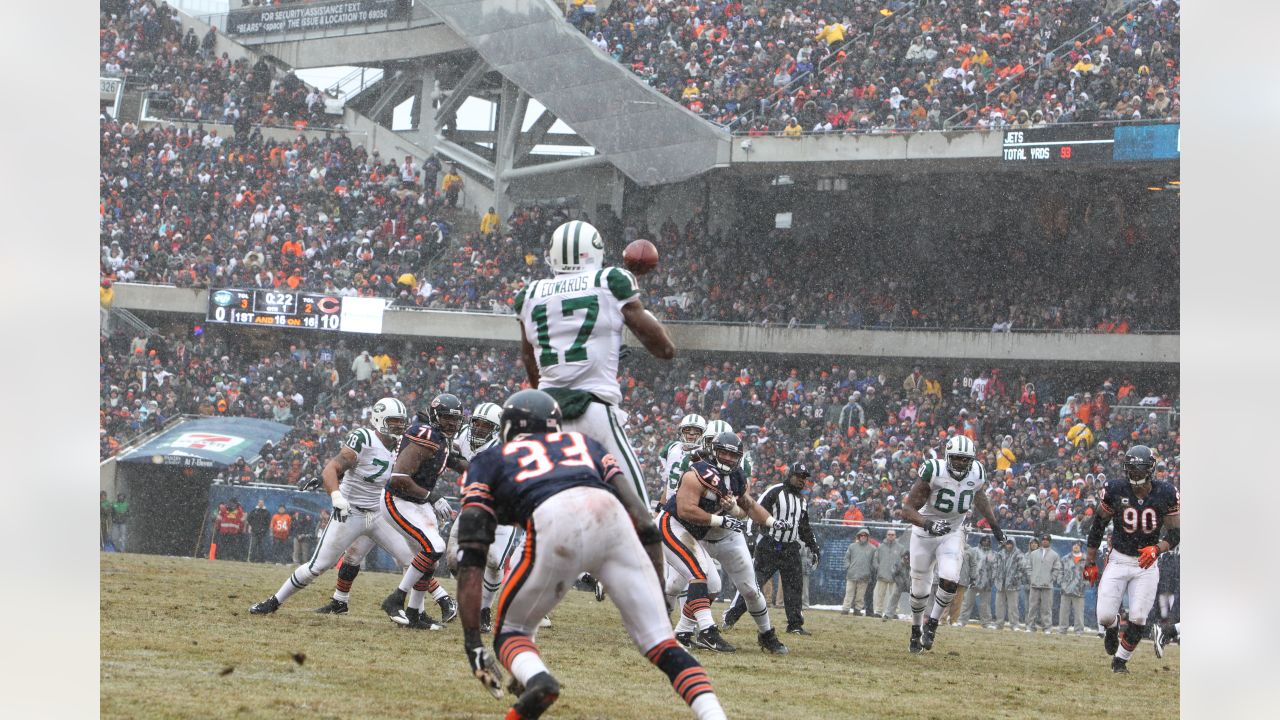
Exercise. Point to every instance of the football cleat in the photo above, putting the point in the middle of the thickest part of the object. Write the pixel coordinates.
(1111, 640)
(541, 691)
(685, 639)
(712, 640)
(448, 609)
(926, 636)
(266, 607)
(419, 620)
(545, 622)
(915, 646)
(1157, 639)
(393, 606)
(335, 607)
(599, 591)
(1119, 666)
(798, 630)
(486, 621)
(770, 643)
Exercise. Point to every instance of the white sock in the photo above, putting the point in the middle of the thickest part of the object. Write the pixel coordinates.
(341, 596)
(525, 665)
(439, 593)
(707, 707)
(686, 624)
(917, 608)
(415, 599)
(295, 582)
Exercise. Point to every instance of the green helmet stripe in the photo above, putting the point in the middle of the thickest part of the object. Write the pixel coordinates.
(577, 236)
(564, 247)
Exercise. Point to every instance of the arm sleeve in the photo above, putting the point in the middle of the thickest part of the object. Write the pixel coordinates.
(477, 490)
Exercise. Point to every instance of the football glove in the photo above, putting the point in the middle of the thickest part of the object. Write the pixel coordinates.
(483, 666)
(1147, 556)
(816, 556)
(340, 506)
(1090, 573)
(938, 528)
(780, 526)
(444, 513)
(998, 534)
(732, 523)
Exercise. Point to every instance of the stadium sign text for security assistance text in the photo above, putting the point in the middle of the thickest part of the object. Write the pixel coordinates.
(286, 18)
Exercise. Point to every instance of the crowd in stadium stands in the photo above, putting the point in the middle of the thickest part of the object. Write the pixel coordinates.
(193, 209)
(186, 79)
(805, 66)
(1048, 437)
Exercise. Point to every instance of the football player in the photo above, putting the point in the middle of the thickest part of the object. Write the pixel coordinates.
(576, 318)
(713, 496)
(580, 513)
(673, 459)
(425, 451)
(1140, 507)
(937, 505)
(362, 463)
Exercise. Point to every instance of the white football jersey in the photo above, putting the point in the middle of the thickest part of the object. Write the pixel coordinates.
(464, 443)
(574, 323)
(950, 499)
(362, 485)
(673, 461)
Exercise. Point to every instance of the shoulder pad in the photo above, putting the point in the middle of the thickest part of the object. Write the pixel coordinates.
(356, 440)
(982, 471)
(622, 284)
(666, 450)
(518, 302)
(926, 471)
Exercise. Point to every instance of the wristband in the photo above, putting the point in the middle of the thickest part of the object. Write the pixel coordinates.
(335, 495)
(716, 521)
(769, 523)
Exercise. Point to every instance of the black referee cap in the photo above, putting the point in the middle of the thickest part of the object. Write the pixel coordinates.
(800, 468)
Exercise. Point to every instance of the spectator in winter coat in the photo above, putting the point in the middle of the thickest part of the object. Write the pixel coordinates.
(859, 564)
(1071, 601)
(968, 574)
(1010, 578)
(902, 584)
(1045, 573)
(980, 591)
(886, 560)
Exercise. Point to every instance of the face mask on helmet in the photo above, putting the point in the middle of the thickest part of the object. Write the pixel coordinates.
(1138, 471)
(396, 425)
(689, 436)
(449, 423)
(481, 431)
(959, 465)
(727, 459)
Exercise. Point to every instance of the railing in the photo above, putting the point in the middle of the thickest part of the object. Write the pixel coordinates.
(951, 132)
(354, 83)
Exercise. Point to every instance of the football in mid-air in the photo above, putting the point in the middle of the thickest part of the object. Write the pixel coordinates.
(640, 256)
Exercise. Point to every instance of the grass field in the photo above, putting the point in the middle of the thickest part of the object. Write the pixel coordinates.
(177, 641)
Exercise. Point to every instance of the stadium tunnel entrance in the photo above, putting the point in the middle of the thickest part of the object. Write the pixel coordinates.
(167, 504)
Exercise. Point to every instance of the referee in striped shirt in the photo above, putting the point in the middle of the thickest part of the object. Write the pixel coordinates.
(779, 550)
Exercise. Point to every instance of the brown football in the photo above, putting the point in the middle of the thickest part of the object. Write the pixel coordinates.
(640, 256)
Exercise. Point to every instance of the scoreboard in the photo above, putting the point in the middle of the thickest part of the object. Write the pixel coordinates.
(307, 310)
(1064, 144)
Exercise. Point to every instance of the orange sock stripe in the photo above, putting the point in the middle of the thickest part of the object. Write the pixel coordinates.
(692, 692)
(692, 607)
(689, 678)
(517, 577)
(432, 584)
(422, 585)
(1125, 644)
(680, 550)
(344, 585)
(513, 646)
(423, 563)
(405, 525)
(656, 651)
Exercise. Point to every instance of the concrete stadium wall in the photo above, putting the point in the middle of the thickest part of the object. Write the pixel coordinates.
(1053, 347)
(842, 148)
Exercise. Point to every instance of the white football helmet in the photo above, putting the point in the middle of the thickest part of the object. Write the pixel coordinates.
(714, 428)
(692, 427)
(576, 246)
(960, 455)
(485, 420)
(390, 417)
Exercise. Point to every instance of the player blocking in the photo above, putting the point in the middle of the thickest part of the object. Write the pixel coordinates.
(580, 513)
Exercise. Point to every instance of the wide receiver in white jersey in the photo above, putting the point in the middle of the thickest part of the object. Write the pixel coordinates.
(937, 505)
(571, 332)
(363, 464)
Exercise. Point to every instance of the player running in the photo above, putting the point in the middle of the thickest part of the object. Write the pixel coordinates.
(673, 459)
(579, 513)
(576, 319)
(425, 451)
(1141, 508)
(937, 505)
(362, 463)
(700, 516)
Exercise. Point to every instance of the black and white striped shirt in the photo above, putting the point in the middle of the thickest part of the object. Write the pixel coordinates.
(787, 505)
